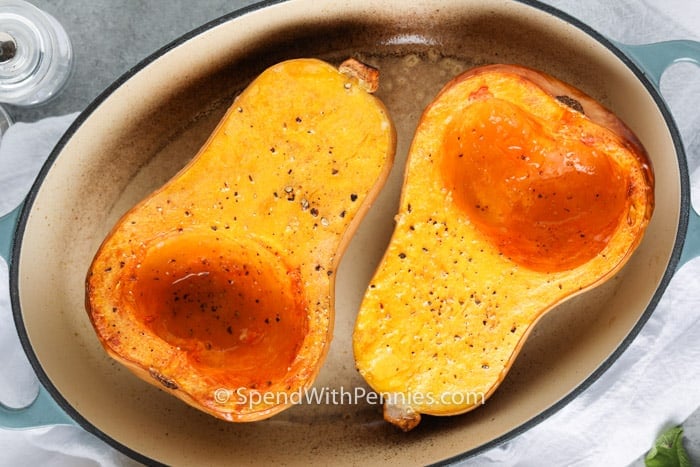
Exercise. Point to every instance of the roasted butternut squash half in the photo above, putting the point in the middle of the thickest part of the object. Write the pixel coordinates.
(218, 287)
(519, 192)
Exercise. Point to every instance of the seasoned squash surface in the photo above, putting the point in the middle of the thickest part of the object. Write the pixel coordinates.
(519, 191)
(219, 285)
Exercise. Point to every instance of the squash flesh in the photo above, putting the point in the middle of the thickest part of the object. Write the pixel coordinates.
(473, 262)
(229, 309)
(219, 285)
(543, 193)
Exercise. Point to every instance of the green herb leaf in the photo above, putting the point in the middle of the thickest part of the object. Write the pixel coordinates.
(668, 450)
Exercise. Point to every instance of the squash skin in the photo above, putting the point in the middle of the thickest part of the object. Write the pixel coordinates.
(453, 301)
(218, 287)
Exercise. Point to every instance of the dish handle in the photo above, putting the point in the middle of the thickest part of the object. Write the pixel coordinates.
(41, 412)
(691, 249)
(8, 224)
(654, 59)
(44, 410)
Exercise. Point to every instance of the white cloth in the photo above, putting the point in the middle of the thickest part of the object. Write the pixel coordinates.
(21, 157)
(652, 386)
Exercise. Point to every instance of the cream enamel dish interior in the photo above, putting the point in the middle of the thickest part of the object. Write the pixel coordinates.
(155, 119)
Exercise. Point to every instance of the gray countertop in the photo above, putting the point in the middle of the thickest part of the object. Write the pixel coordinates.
(112, 36)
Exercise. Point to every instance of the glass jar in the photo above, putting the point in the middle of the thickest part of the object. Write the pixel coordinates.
(36, 57)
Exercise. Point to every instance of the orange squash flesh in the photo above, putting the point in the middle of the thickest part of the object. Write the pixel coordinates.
(513, 201)
(548, 202)
(218, 287)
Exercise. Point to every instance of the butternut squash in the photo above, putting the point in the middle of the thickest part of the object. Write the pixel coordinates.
(218, 287)
(520, 191)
